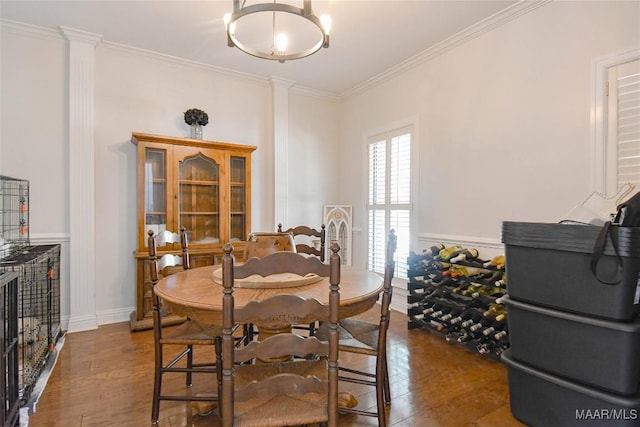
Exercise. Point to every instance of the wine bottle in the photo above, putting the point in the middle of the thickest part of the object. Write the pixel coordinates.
(447, 253)
(500, 335)
(495, 309)
(474, 319)
(495, 327)
(447, 317)
(492, 278)
(501, 317)
(467, 271)
(436, 277)
(446, 281)
(432, 309)
(486, 290)
(460, 318)
(484, 323)
(465, 255)
(443, 310)
(433, 250)
(497, 262)
(502, 282)
(418, 307)
(436, 325)
(419, 317)
(473, 287)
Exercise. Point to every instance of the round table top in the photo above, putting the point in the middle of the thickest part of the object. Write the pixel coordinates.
(194, 292)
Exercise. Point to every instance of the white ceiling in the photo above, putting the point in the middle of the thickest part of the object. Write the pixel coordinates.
(368, 37)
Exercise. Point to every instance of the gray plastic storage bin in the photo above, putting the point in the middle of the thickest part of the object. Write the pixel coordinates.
(595, 352)
(548, 264)
(540, 399)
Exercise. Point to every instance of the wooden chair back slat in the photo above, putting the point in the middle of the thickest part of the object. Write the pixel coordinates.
(285, 308)
(303, 236)
(281, 262)
(272, 348)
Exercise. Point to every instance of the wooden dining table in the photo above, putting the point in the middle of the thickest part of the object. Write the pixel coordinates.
(195, 294)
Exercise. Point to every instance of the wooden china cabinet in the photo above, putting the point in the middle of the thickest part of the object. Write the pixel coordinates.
(204, 186)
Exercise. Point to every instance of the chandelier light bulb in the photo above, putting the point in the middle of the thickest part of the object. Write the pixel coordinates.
(230, 27)
(280, 43)
(326, 23)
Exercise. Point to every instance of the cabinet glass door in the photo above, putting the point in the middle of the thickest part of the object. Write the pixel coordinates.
(155, 190)
(199, 199)
(238, 205)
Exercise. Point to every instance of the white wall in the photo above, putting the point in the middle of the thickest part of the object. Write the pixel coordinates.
(33, 132)
(504, 121)
(314, 150)
(148, 94)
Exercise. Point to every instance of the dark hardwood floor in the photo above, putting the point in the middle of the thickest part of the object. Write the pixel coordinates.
(104, 378)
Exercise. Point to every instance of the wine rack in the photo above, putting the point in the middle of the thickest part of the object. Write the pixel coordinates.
(459, 299)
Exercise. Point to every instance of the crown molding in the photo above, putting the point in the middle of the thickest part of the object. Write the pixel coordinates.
(315, 93)
(31, 30)
(494, 21)
(164, 58)
(74, 35)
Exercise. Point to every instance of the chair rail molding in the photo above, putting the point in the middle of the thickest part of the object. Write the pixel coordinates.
(80, 131)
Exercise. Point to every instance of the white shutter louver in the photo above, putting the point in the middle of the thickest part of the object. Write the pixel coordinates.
(628, 124)
(389, 204)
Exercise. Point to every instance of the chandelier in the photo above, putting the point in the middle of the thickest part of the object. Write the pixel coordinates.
(263, 30)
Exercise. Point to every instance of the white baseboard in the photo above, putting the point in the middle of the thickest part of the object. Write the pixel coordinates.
(107, 317)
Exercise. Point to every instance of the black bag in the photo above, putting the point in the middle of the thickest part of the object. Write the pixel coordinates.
(628, 215)
(629, 212)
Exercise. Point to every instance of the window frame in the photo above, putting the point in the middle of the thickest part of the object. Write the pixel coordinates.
(604, 181)
(408, 125)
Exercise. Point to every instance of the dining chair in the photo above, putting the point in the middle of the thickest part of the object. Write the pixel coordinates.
(370, 339)
(260, 244)
(264, 384)
(304, 237)
(187, 335)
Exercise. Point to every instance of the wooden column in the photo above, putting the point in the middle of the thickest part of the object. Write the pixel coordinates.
(80, 115)
(280, 98)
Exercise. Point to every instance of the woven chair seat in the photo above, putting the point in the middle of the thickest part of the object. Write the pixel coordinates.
(300, 409)
(355, 336)
(191, 332)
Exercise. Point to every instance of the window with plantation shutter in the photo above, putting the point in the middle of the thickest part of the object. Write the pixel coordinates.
(623, 124)
(389, 197)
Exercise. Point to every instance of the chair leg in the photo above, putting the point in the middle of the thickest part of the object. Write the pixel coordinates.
(381, 384)
(189, 365)
(387, 387)
(157, 386)
(218, 349)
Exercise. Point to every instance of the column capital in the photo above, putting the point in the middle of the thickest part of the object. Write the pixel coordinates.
(280, 83)
(74, 35)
